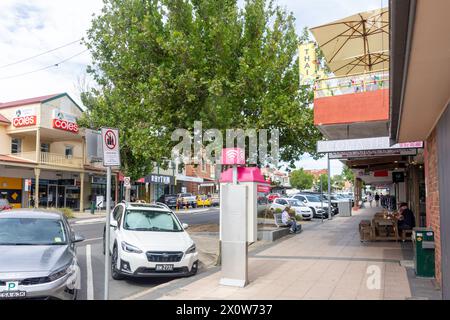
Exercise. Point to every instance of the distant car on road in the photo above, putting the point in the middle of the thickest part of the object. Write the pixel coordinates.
(203, 201)
(300, 208)
(169, 199)
(215, 199)
(273, 196)
(38, 256)
(148, 240)
(187, 200)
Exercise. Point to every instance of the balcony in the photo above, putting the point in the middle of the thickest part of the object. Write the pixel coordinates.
(351, 84)
(355, 106)
(51, 159)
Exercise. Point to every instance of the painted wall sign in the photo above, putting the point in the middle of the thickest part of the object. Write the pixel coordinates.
(307, 63)
(64, 121)
(25, 117)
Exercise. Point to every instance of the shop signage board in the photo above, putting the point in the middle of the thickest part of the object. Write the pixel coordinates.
(159, 179)
(372, 153)
(64, 121)
(111, 151)
(25, 117)
(366, 144)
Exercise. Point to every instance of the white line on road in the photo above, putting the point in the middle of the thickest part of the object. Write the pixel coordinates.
(90, 282)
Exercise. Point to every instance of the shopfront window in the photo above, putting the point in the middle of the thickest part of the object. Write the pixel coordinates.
(16, 145)
(45, 147)
(69, 151)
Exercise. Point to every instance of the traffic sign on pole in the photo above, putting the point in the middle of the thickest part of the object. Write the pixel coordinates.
(111, 157)
(110, 143)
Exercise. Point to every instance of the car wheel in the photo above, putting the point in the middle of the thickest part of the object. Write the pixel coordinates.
(313, 212)
(194, 269)
(115, 274)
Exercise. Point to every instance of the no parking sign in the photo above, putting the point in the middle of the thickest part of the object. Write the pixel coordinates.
(110, 143)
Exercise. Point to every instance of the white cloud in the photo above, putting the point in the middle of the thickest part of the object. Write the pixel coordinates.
(28, 28)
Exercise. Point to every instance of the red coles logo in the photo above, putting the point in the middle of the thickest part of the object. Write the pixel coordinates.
(65, 125)
(24, 121)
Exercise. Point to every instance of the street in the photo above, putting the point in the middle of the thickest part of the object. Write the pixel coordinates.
(91, 258)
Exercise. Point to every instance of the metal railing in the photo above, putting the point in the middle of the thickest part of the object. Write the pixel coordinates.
(51, 159)
(351, 84)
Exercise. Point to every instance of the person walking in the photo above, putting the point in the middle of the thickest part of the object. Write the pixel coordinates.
(370, 199)
(377, 199)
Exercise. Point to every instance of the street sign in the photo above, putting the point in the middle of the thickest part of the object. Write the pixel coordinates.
(110, 143)
(127, 182)
(99, 201)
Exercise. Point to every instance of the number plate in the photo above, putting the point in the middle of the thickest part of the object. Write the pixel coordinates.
(12, 294)
(164, 267)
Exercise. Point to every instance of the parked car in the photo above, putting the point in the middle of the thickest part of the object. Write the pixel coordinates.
(4, 205)
(169, 199)
(334, 202)
(148, 240)
(319, 208)
(187, 200)
(203, 201)
(38, 256)
(300, 208)
(273, 196)
(215, 199)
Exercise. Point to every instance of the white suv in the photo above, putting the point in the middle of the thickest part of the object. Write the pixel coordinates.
(148, 240)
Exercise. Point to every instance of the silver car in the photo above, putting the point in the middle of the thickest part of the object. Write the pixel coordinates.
(37, 256)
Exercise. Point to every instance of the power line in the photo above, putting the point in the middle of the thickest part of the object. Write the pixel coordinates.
(44, 68)
(40, 54)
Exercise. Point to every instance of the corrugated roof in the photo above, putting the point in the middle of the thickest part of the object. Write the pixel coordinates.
(27, 101)
(4, 120)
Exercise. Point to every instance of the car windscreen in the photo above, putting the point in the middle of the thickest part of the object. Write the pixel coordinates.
(146, 220)
(295, 203)
(32, 231)
(313, 198)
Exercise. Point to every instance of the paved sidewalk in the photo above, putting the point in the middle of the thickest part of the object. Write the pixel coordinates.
(325, 261)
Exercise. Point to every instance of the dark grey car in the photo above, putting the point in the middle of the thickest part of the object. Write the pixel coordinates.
(37, 256)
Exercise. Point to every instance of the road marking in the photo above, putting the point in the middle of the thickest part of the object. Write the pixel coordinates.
(90, 282)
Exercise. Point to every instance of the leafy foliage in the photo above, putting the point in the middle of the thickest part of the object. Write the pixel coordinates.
(163, 64)
(302, 180)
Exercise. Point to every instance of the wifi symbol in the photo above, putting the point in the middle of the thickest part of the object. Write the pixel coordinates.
(234, 156)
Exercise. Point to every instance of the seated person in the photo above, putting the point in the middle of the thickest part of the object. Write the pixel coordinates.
(288, 220)
(406, 219)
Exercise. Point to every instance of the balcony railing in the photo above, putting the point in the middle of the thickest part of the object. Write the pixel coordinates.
(351, 84)
(53, 159)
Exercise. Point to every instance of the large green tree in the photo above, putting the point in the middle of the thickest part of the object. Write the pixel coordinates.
(163, 64)
(300, 179)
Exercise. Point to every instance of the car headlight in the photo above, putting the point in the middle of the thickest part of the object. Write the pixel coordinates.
(191, 249)
(130, 248)
(60, 273)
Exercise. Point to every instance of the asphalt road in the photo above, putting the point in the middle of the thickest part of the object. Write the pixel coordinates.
(91, 258)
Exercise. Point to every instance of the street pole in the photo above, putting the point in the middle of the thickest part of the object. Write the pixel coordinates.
(321, 196)
(329, 188)
(108, 223)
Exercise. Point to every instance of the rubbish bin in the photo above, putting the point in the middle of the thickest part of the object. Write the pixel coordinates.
(345, 208)
(423, 246)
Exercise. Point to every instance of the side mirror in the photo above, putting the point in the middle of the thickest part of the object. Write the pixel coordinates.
(185, 225)
(77, 238)
(304, 201)
(113, 224)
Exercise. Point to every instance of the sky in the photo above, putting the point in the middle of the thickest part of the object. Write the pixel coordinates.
(30, 27)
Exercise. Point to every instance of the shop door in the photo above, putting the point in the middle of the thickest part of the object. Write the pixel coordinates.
(52, 196)
(61, 196)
